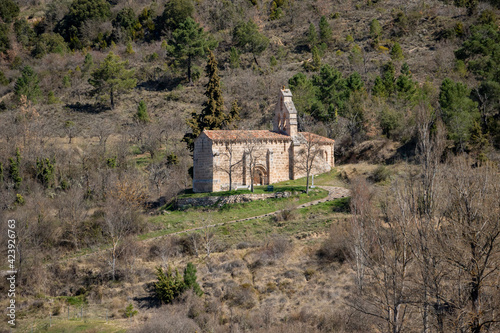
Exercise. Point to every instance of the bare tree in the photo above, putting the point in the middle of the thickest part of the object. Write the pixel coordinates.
(72, 211)
(102, 129)
(208, 236)
(386, 259)
(361, 209)
(230, 162)
(254, 155)
(470, 240)
(152, 139)
(308, 154)
(421, 198)
(158, 173)
(121, 213)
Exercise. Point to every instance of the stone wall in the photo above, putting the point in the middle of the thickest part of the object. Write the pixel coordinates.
(203, 180)
(323, 162)
(230, 199)
(271, 156)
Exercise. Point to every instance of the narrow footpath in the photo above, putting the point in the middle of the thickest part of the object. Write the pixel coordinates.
(333, 194)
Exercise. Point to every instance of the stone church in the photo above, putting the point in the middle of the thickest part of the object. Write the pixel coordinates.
(266, 157)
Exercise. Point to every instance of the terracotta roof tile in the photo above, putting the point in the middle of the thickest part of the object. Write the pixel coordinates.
(242, 135)
(315, 137)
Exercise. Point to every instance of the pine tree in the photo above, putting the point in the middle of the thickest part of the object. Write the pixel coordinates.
(375, 30)
(130, 49)
(389, 78)
(190, 41)
(142, 115)
(190, 279)
(246, 36)
(14, 173)
(111, 78)
(379, 88)
(273, 62)
(325, 31)
(27, 85)
(234, 58)
(396, 52)
(45, 171)
(316, 59)
(88, 62)
(312, 35)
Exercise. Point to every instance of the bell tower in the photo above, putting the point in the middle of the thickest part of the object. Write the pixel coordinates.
(285, 114)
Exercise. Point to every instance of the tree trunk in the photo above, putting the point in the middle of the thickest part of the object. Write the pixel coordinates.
(230, 171)
(255, 59)
(307, 183)
(113, 262)
(252, 170)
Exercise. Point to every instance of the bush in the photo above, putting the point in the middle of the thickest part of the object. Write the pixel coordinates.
(336, 247)
(286, 214)
(277, 247)
(342, 205)
(380, 174)
(170, 286)
(129, 311)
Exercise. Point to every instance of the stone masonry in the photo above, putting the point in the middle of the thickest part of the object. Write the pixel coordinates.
(265, 156)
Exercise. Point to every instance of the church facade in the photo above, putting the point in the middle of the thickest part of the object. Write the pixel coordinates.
(238, 157)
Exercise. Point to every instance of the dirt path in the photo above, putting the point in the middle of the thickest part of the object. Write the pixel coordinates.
(333, 193)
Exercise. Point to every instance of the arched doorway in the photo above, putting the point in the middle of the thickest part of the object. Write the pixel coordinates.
(260, 176)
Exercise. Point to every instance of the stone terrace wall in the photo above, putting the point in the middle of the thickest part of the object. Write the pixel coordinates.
(230, 199)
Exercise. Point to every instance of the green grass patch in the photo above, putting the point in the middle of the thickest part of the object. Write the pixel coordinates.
(194, 217)
(331, 178)
(257, 190)
(79, 300)
(307, 221)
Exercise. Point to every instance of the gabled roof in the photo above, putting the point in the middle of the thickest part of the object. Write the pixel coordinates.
(244, 135)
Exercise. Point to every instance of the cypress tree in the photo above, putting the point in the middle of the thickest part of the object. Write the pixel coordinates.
(212, 116)
(234, 114)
